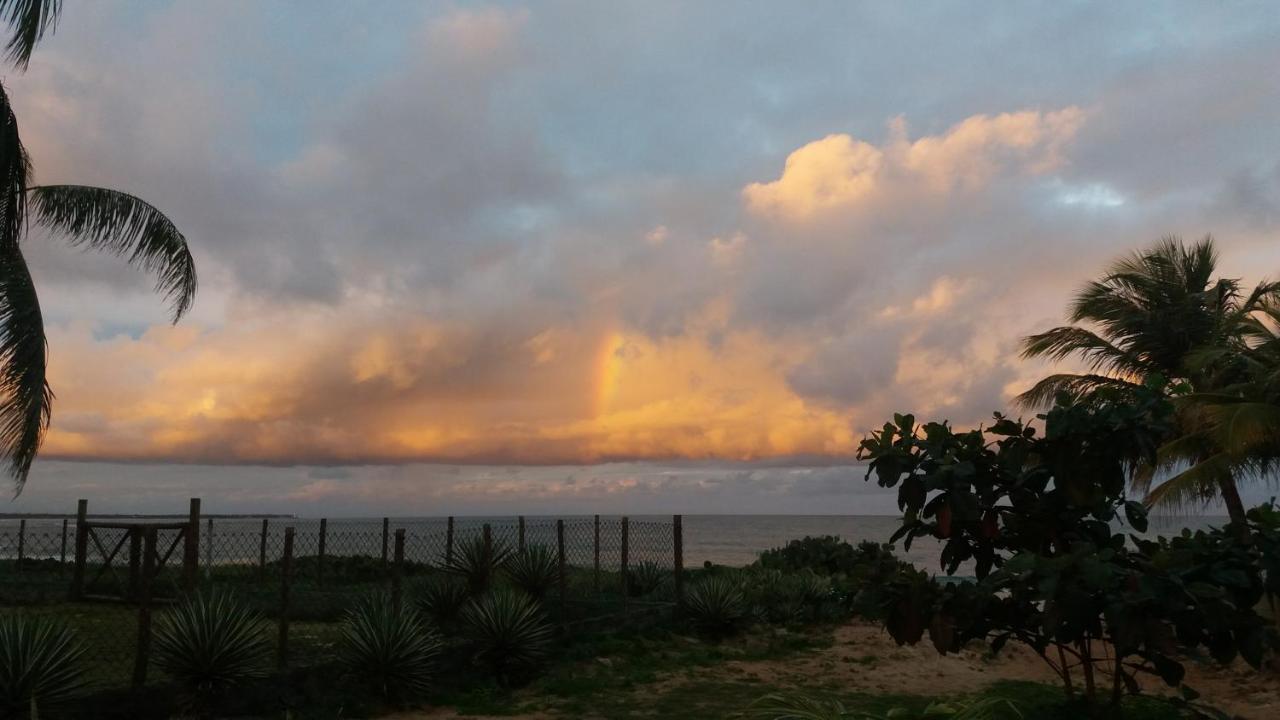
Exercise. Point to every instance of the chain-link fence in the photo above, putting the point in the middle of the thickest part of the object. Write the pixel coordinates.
(302, 575)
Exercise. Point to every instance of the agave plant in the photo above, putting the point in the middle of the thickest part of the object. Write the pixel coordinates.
(803, 707)
(716, 606)
(645, 578)
(441, 599)
(39, 664)
(507, 633)
(389, 647)
(535, 570)
(210, 642)
(477, 562)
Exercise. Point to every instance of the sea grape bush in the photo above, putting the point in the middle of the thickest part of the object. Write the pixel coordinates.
(1036, 515)
(855, 573)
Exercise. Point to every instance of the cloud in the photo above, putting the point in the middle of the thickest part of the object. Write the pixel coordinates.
(840, 172)
(560, 234)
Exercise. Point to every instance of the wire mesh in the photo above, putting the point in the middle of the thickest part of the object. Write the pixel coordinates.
(332, 564)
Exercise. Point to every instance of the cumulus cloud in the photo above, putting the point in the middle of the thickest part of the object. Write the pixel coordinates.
(841, 172)
(472, 236)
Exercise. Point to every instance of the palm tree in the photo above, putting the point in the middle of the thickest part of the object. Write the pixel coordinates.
(1241, 428)
(1157, 313)
(97, 218)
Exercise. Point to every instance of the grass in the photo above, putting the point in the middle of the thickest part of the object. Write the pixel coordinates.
(598, 672)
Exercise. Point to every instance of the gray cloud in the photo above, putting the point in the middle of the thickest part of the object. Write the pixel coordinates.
(437, 219)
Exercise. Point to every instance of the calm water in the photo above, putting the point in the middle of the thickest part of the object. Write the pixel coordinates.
(721, 539)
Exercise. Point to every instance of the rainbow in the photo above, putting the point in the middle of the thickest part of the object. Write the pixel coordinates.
(607, 372)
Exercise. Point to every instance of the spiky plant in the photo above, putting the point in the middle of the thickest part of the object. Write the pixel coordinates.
(477, 562)
(507, 633)
(716, 606)
(211, 641)
(441, 599)
(389, 647)
(40, 662)
(535, 570)
(645, 578)
(91, 217)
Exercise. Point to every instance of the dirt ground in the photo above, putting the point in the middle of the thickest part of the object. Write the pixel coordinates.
(864, 658)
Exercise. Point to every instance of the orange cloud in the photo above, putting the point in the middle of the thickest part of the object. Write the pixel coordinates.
(840, 172)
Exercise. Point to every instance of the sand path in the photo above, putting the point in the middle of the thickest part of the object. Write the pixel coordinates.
(864, 658)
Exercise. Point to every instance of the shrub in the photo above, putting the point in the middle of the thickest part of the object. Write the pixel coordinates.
(535, 570)
(39, 664)
(390, 648)
(826, 554)
(716, 606)
(477, 563)
(210, 642)
(507, 633)
(442, 599)
(784, 598)
(645, 578)
(1036, 514)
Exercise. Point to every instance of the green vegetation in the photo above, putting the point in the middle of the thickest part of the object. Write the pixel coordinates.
(1036, 513)
(40, 664)
(211, 642)
(1160, 313)
(442, 599)
(477, 562)
(535, 570)
(507, 634)
(389, 647)
(717, 606)
(804, 707)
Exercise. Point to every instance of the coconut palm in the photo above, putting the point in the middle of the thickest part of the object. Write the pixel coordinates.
(1157, 313)
(1241, 429)
(91, 217)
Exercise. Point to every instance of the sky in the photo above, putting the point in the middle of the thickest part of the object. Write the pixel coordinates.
(605, 257)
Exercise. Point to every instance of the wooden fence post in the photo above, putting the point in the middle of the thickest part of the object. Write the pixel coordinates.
(677, 534)
(320, 543)
(191, 548)
(62, 556)
(397, 570)
(22, 542)
(262, 552)
(520, 533)
(143, 654)
(486, 538)
(596, 574)
(448, 543)
(386, 527)
(626, 581)
(563, 576)
(82, 549)
(208, 549)
(286, 577)
(135, 562)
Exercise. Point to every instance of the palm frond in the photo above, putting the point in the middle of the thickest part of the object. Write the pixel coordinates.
(1077, 387)
(29, 20)
(1192, 487)
(25, 398)
(1061, 343)
(123, 225)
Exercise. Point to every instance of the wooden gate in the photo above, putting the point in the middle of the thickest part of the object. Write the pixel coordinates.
(127, 575)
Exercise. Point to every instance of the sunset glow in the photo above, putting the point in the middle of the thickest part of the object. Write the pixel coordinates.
(463, 234)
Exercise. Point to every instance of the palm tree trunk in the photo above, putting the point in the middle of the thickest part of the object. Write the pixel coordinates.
(1235, 506)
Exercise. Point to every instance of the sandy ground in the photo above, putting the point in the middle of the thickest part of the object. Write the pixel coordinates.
(865, 658)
